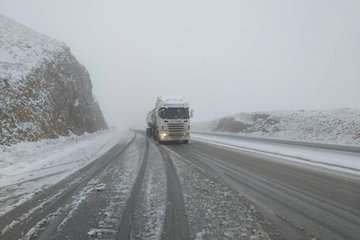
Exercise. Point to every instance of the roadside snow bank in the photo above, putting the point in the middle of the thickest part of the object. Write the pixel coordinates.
(339, 126)
(343, 161)
(28, 167)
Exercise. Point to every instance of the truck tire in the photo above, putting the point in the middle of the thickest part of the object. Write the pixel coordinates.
(185, 142)
(155, 135)
(148, 132)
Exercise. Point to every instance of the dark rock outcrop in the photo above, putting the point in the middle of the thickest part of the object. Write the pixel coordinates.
(229, 124)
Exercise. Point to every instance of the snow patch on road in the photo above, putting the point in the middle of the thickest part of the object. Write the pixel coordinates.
(27, 215)
(150, 212)
(76, 201)
(117, 193)
(214, 210)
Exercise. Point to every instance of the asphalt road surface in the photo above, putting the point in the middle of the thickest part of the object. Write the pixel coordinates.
(143, 190)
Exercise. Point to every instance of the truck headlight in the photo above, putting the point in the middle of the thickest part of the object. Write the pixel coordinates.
(163, 134)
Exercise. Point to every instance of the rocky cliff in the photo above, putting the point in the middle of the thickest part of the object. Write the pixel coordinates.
(44, 91)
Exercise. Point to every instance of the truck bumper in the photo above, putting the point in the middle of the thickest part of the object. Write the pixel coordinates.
(174, 138)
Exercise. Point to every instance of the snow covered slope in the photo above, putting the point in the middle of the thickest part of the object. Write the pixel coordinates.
(22, 51)
(340, 126)
(45, 92)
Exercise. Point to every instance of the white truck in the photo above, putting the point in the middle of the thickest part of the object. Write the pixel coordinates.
(169, 121)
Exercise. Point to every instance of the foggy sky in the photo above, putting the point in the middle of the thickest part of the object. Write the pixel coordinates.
(223, 56)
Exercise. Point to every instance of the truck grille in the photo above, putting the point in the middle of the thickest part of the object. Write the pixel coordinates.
(176, 129)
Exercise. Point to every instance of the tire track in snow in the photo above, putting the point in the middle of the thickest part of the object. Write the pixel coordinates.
(100, 215)
(96, 213)
(176, 223)
(23, 219)
(149, 214)
(127, 219)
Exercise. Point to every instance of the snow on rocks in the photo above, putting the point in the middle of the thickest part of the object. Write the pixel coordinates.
(45, 91)
(22, 50)
(338, 126)
(100, 187)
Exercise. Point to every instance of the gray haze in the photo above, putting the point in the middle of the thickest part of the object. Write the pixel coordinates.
(223, 56)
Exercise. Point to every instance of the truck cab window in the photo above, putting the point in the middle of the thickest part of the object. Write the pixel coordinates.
(174, 113)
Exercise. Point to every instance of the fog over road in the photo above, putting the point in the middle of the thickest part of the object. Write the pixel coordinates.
(235, 56)
(142, 190)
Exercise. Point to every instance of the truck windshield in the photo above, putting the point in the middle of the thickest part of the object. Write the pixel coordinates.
(174, 113)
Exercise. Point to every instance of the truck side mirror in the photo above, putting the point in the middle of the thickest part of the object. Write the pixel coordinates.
(191, 113)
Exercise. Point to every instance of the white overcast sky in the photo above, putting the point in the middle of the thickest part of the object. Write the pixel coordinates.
(224, 56)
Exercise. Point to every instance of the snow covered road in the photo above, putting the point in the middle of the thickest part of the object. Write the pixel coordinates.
(137, 189)
(28, 168)
(304, 202)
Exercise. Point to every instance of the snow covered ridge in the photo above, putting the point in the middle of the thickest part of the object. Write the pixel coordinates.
(22, 51)
(339, 126)
(45, 91)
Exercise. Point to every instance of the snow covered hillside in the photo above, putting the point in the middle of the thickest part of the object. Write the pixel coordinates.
(340, 126)
(45, 91)
(23, 50)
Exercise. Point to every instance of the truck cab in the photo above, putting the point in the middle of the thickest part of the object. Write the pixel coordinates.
(169, 121)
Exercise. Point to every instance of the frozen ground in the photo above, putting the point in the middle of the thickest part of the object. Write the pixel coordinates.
(338, 160)
(339, 126)
(29, 167)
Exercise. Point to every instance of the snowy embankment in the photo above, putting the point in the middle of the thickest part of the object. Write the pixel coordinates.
(45, 91)
(340, 126)
(344, 161)
(28, 167)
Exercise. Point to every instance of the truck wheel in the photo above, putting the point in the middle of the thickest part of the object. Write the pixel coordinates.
(148, 132)
(185, 141)
(156, 135)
